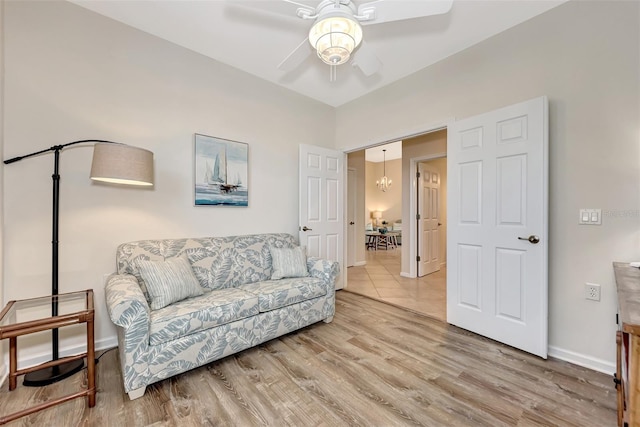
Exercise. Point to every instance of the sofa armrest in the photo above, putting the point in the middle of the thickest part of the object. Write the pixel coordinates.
(126, 303)
(323, 269)
(129, 310)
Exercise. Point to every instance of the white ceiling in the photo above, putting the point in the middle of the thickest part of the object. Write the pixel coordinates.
(255, 36)
(394, 151)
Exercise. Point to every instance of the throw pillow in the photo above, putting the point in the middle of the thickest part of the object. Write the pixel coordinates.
(289, 262)
(169, 281)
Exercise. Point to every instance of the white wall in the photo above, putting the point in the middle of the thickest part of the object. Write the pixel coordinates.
(585, 57)
(72, 74)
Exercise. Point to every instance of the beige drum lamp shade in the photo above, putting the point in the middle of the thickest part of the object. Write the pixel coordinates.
(122, 164)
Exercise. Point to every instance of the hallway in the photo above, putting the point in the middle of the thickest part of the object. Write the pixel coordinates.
(380, 279)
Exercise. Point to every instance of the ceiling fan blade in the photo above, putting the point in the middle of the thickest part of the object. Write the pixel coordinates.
(297, 57)
(366, 59)
(379, 11)
(280, 7)
(299, 4)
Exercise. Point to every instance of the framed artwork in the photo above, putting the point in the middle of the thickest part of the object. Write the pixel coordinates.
(221, 172)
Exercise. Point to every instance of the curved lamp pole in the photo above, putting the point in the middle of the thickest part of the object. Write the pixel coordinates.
(112, 162)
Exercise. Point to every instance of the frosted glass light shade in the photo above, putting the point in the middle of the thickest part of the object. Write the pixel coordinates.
(122, 164)
(335, 37)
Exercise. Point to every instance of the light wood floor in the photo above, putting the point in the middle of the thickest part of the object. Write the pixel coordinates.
(375, 365)
(380, 279)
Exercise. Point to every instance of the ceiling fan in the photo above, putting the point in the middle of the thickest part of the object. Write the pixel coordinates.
(336, 34)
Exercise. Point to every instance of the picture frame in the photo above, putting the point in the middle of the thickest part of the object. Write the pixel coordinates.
(221, 172)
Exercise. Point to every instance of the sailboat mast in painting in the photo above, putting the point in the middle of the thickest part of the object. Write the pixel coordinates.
(221, 169)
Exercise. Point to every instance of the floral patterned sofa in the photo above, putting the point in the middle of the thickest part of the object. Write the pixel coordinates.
(240, 305)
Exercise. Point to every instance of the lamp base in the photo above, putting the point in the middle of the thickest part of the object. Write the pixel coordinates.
(52, 374)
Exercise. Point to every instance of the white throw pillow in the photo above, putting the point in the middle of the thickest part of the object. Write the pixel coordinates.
(169, 281)
(289, 262)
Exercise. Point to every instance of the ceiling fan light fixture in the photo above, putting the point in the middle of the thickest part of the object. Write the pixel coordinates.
(334, 36)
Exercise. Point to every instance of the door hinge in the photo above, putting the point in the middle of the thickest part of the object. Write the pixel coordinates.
(418, 258)
(617, 320)
(417, 216)
(417, 174)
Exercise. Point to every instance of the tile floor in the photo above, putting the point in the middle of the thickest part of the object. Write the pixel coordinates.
(380, 279)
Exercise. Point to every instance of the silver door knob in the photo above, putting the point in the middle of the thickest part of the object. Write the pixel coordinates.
(532, 239)
(305, 228)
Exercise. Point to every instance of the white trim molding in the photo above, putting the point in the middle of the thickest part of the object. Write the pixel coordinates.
(600, 365)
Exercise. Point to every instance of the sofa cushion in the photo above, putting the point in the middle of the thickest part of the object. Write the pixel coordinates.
(289, 262)
(197, 314)
(217, 262)
(274, 294)
(169, 281)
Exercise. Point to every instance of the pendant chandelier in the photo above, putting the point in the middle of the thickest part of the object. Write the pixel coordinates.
(384, 183)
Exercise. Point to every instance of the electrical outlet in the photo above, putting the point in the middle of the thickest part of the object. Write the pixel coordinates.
(592, 291)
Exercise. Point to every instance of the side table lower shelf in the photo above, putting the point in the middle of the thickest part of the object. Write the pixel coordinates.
(12, 327)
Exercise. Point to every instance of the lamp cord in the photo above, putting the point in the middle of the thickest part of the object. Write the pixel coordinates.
(100, 357)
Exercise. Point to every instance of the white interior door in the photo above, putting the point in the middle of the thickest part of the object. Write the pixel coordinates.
(321, 204)
(498, 198)
(429, 220)
(351, 217)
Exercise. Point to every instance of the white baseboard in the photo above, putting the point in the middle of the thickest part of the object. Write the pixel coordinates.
(600, 365)
(403, 274)
(37, 359)
(360, 263)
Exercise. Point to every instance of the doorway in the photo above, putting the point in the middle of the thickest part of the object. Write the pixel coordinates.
(389, 274)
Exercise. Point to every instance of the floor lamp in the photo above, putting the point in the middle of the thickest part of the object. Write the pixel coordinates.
(114, 163)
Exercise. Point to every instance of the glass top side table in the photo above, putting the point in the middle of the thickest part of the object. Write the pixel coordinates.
(22, 317)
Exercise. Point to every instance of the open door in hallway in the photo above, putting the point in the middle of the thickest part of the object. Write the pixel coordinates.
(428, 219)
(497, 225)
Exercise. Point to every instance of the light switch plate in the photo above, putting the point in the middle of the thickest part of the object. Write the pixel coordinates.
(590, 217)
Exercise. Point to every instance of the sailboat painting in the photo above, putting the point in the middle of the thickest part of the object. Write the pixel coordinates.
(221, 172)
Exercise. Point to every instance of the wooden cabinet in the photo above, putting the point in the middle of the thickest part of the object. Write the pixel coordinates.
(628, 341)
